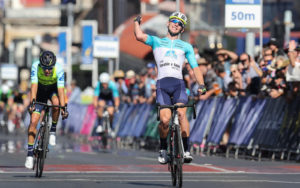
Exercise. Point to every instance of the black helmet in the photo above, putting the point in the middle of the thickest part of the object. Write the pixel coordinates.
(47, 59)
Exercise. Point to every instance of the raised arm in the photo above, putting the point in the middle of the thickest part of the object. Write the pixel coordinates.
(139, 34)
(233, 56)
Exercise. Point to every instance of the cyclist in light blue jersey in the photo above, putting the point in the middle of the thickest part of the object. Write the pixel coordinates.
(170, 53)
(106, 94)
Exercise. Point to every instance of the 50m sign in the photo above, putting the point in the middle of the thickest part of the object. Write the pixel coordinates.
(243, 14)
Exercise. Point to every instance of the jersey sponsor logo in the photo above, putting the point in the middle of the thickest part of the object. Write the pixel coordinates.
(32, 73)
(61, 78)
(171, 53)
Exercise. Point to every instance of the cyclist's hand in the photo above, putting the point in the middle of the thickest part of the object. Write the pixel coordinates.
(138, 19)
(31, 106)
(202, 89)
(64, 113)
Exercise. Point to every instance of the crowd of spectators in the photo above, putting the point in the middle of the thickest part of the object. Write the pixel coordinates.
(273, 73)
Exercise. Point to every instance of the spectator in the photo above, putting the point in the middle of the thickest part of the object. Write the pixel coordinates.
(150, 79)
(268, 55)
(121, 85)
(223, 79)
(293, 72)
(232, 90)
(226, 57)
(278, 85)
(251, 73)
(133, 87)
(273, 44)
(150, 68)
(237, 78)
(74, 93)
(142, 86)
(210, 78)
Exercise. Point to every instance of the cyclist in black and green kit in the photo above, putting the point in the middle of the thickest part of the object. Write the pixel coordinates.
(47, 82)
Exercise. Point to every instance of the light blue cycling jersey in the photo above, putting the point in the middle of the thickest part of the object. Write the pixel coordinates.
(111, 85)
(57, 76)
(170, 55)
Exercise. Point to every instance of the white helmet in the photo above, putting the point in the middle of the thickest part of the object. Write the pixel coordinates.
(180, 16)
(104, 77)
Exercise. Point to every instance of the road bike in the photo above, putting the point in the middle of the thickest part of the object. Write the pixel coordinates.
(42, 138)
(106, 126)
(175, 144)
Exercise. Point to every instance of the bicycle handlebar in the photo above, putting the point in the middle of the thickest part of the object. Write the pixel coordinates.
(175, 107)
(48, 105)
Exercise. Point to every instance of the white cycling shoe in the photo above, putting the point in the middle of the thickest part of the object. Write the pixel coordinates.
(163, 157)
(52, 139)
(29, 162)
(99, 129)
(187, 157)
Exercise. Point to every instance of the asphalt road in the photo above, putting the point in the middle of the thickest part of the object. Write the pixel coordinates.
(71, 164)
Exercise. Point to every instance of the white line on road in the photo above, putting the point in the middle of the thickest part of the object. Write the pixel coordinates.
(214, 168)
(144, 172)
(146, 180)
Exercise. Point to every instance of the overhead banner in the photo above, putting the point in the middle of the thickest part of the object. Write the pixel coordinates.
(106, 46)
(89, 30)
(243, 14)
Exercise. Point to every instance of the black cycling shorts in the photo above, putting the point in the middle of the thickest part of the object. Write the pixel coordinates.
(44, 93)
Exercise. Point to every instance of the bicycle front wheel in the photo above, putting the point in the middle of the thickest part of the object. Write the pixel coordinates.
(37, 153)
(43, 152)
(179, 155)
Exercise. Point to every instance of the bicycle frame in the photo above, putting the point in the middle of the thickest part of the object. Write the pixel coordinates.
(175, 144)
(42, 139)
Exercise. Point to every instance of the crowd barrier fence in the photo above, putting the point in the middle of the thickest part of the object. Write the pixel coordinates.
(263, 124)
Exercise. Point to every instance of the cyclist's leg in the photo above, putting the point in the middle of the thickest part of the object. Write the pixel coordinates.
(110, 110)
(35, 116)
(55, 113)
(34, 120)
(163, 98)
(185, 127)
(101, 105)
(180, 97)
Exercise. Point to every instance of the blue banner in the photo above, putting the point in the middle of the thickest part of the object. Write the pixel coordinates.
(62, 42)
(87, 44)
(243, 2)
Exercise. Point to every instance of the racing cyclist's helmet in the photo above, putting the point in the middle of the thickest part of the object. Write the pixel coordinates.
(180, 16)
(104, 78)
(47, 60)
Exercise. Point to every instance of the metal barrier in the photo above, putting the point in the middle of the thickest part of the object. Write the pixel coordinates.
(256, 124)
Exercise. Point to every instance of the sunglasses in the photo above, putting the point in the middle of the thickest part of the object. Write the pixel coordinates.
(46, 68)
(243, 60)
(177, 21)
